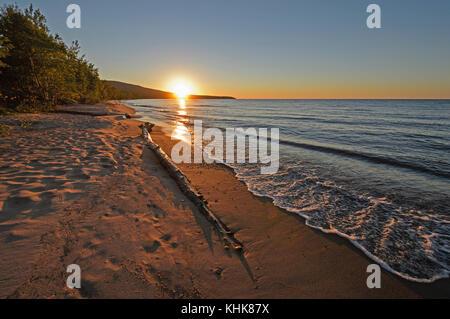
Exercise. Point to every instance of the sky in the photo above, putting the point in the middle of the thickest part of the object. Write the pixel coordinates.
(266, 49)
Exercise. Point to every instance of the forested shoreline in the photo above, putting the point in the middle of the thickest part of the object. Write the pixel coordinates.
(38, 70)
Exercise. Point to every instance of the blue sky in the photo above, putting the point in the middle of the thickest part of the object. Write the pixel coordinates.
(267, 49)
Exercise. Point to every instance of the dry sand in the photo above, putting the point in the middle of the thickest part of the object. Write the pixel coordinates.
(86, 190)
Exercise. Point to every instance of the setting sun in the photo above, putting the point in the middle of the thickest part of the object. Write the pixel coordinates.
(181, 88)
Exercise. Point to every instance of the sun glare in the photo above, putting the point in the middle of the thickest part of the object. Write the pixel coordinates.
(181, 88)
(182, 103)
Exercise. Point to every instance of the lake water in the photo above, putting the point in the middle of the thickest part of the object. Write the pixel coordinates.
(374, 171)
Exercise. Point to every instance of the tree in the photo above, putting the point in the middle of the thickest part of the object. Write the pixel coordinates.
(4, 49)
(42, 70)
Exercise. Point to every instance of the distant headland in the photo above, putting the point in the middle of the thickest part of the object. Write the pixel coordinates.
(140, 92)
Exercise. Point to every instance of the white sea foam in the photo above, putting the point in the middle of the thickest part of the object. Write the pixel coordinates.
(409, 243)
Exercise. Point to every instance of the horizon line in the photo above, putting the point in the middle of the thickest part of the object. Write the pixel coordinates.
(373, 99)
(280, 98)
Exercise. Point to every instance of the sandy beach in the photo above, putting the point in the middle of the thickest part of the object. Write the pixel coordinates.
(85, 189)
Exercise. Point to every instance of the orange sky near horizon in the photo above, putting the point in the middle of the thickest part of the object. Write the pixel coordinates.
(385, 84)
(312, 89)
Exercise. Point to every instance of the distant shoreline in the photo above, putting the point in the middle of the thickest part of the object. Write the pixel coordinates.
(137, 92)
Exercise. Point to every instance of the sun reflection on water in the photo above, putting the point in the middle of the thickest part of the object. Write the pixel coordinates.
(181, 132)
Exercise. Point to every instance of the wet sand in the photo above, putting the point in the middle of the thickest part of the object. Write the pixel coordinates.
(287, 258)
(86, 190)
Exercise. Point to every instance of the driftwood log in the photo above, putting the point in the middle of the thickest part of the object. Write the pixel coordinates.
(186, 187)
(149, 126)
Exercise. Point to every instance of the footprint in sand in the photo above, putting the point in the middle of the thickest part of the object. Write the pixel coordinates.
(58, 172)
(166, 237)
(13, 237)
(156, 210)
(218, 272)
(151, 249)
(78, 173)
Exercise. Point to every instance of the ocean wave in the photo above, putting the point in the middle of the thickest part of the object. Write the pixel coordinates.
(377, 159)
(410, 243)
(427, 168)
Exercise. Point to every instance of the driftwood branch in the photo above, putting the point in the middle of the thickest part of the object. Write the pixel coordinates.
(186, 187)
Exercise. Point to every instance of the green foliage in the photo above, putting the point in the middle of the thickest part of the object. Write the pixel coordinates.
(39, 70)
(4, 49)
